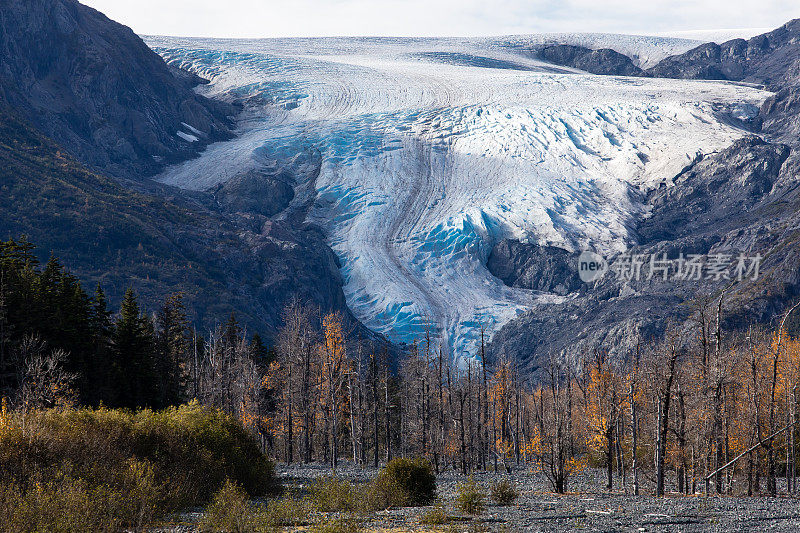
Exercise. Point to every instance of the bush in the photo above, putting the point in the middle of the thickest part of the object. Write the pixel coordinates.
(435, 516)
(190, 439)
(230, 511)
(412, 480)
(470, 499)
(135, 466)
(337, 525)
(330, 495)
(288, 512)
(64, 506)
(383, 492)
(504, 492)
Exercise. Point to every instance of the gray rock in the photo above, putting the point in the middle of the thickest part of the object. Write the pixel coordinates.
(765, 59)
(530, 266)
(257, 192)
(603, 61)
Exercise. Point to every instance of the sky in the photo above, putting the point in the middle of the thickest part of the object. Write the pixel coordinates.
(300, 18)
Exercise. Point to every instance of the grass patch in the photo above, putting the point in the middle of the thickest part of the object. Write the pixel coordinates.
(331, 495)
(346, 524)
(435, 516)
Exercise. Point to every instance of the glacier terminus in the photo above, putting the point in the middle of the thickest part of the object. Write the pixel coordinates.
(417, 155)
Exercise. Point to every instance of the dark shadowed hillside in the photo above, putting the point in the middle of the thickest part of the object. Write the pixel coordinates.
(157, 243)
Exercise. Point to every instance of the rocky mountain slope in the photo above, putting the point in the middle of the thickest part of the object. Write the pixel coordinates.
(767, 59)
(158, 241)
(744, 199)
(87, 113)
(95, 86)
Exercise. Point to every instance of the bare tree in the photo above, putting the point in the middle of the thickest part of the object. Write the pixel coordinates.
(43, 381)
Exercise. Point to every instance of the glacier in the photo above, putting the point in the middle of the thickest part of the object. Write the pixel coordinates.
(432, 150)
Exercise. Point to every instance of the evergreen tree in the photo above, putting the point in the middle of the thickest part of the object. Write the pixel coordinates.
(102, 368)
(133, 342)
(232, 332)
(173, 340)
(261, 354)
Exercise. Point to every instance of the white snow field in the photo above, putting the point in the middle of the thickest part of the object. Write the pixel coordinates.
(434, 149)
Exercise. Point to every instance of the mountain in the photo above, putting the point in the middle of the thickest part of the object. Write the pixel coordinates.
(159, 241)
(602, 61)
(767, 59)
(87, 113)
(410, 183)
(742, 199)
(95, 86)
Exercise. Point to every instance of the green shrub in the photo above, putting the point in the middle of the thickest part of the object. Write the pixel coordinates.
(330, 494)
(383, 492)
(230, 511)
(412, 480)
(136, 466)
(504, 492)
(63, 506)
(190, 439)
(470, 499)
(337, 525)
(435, 516)
(288, 512)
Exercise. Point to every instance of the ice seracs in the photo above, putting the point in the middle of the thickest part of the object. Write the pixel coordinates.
(433, 149)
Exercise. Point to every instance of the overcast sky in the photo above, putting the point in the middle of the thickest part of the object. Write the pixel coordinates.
(280, 18)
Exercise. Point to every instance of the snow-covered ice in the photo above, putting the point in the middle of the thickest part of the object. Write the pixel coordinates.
(434, 149)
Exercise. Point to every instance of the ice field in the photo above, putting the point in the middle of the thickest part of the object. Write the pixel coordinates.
(432, 150)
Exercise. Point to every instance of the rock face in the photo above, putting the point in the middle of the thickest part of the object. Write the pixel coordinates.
(530, 266)
(717, 194)
(765, 59)
(93, 85)
(257, 192)
(603, 61)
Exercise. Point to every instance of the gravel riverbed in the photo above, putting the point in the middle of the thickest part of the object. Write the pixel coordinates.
(586, 507)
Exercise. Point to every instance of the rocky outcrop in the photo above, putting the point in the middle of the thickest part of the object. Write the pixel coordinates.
(530, 266)
(765, 59)
(716, 194)
(258, 191)
(603, 61)
(95, 87)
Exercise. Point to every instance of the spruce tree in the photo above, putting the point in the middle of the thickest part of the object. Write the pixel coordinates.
(102, 369)
(261, 354)
(172, 350)
(133, 342)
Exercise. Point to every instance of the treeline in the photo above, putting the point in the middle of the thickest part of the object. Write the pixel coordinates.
(697, 409)
(58, 344)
